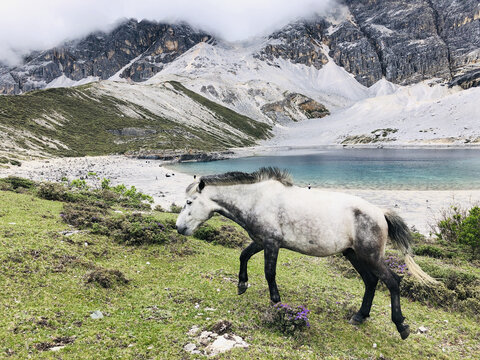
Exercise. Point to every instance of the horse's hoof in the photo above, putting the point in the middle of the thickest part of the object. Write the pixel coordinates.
(356, 320)
(405, 332)
(242, 287)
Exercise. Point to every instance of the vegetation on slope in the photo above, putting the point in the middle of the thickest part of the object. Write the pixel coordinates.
(79, 121)
(226, 115)
(56, 279)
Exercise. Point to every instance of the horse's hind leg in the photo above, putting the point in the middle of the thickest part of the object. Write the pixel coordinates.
(368, 248)
(247, 253)
(392, 280)
(370, 281)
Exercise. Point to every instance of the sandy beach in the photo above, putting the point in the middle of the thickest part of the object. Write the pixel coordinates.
(153, 177)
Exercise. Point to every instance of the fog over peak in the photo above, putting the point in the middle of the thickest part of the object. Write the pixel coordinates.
(27, 25)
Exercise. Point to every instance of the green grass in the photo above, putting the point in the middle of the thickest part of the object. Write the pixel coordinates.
(90, 119)
(45, 296)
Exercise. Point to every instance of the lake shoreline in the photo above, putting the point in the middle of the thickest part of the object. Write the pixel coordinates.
(269, 149)
(418, 207)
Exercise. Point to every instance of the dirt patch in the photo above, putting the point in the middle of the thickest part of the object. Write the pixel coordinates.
(64, 261)
(59, 341)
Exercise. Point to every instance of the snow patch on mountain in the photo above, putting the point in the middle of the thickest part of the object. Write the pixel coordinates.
(412, 115)
(63, 81)
(244, 83)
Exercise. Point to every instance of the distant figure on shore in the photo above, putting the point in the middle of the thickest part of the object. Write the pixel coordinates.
(309, 186)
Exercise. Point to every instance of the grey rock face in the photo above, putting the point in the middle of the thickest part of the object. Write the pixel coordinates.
(299, 42)
(302, 42)
(459, 26)
(102, 55)
(293, 107)
(404, 41)
(173, 41)
(350, 48)
(468, 80)
(7, 82)
(405, 37)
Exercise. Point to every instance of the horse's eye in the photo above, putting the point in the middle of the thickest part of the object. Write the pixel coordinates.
(189, 202)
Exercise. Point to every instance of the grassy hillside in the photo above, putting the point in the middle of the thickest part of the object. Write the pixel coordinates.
(84, 121)
(49, 291)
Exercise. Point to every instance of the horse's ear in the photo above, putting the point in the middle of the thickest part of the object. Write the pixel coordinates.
(201, 185)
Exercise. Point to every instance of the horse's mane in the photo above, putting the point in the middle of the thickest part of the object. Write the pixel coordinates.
(238, 177)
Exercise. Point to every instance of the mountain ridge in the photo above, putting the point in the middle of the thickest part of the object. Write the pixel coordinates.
(402, 41)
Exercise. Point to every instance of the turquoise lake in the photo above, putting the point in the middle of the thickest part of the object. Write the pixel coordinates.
(424, 169)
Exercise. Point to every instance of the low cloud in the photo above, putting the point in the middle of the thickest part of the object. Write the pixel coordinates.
(27, 25)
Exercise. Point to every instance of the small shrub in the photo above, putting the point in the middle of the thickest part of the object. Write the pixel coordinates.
(130, 229)
(288, 319)
(448, 225)
(206, 232)
(417, 237)
(159, 208)
(105, 184)
(469, 232)
(230, 236)
(458, 226)
(78, 191)
(53, 191)
(15, 162)
(174, 208)
(459, 291)
(226, 235)
(128, 197)
(106, 278)
(82, 215)
(431, 250)
(14, 183)
(79, 184)
(135, 229)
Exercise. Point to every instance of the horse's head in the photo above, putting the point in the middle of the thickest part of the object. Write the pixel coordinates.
(197, 209)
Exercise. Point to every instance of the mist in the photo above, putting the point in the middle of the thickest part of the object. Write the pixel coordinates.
(27, 25)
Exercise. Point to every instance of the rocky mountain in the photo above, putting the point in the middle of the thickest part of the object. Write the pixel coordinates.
(134, 50)
(402, 41)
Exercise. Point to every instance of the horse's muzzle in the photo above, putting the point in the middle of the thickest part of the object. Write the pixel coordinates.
(182, 230)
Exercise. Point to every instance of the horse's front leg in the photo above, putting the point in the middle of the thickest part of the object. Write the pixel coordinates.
(247, 253)
(270, 251)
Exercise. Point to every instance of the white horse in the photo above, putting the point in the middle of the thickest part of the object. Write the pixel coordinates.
(277, 215)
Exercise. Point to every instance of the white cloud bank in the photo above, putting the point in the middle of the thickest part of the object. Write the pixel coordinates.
(27, 25)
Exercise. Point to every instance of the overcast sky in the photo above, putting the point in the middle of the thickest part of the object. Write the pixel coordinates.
(40, 24)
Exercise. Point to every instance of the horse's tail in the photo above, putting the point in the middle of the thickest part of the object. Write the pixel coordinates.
(401, 237)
